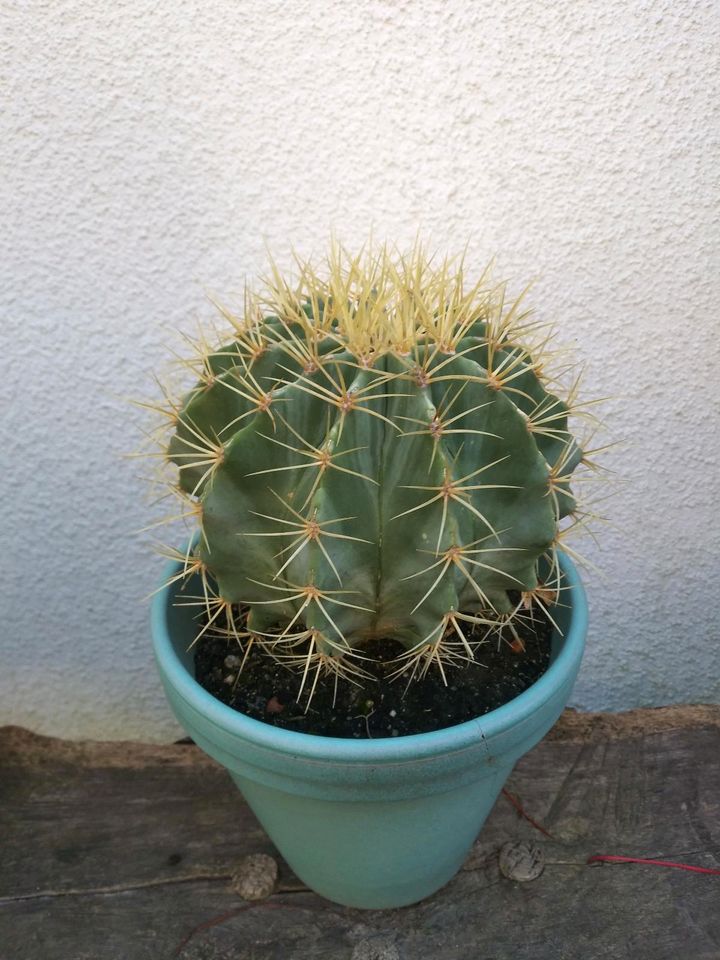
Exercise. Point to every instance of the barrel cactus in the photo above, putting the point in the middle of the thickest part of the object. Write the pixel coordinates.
(374, 451)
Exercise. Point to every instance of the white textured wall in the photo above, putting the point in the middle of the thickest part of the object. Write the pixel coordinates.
(149, 150)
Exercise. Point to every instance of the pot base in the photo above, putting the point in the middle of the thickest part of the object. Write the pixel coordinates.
(375, 856)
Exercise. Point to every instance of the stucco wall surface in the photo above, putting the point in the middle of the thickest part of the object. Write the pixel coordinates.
(149, 151)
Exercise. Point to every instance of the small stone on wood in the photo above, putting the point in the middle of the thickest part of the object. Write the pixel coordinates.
(256, 877)
(521, 861)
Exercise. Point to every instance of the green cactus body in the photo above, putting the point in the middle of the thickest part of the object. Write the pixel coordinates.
(361, 471)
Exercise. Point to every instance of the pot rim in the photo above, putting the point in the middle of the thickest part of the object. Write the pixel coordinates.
(387, 749)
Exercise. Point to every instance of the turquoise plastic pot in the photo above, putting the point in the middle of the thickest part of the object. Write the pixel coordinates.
(371, 823)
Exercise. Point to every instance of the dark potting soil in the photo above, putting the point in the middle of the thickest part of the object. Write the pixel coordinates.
(267, 690)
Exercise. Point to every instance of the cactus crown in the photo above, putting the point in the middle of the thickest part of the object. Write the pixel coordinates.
(374, 451)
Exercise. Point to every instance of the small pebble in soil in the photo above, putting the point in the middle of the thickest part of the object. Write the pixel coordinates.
(267, 690)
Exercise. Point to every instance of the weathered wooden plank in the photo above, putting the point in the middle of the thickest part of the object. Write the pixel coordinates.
(117, 815)
(120, 850)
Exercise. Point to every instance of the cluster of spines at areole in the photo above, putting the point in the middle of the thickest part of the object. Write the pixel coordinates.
(374, 449)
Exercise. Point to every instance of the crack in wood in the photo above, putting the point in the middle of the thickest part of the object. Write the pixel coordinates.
(116, 888)
(142, 885)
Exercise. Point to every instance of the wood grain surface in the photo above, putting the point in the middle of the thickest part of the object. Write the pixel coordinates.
(124, 850)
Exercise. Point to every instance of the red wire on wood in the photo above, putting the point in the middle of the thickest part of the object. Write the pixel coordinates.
(600, 858)
(224, 917)
(518, 806)
(609, 858)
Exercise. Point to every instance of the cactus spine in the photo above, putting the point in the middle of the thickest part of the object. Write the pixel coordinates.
(374, 452)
